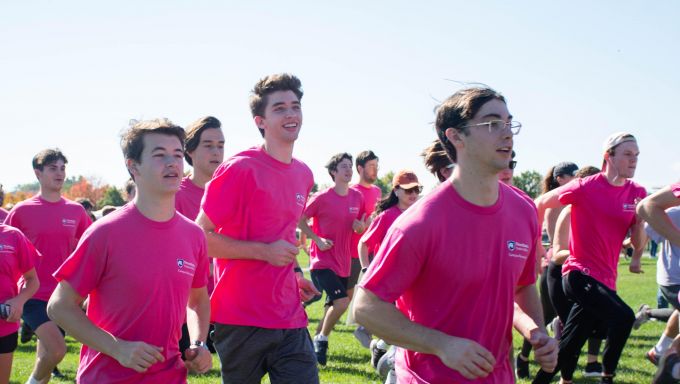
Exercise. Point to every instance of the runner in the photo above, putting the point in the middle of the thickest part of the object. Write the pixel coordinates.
(437, 162)
(124, 300)
(337, 212)
(464, 251)
(17, 259)
(53, 224)
(602, 213)
(249, 213)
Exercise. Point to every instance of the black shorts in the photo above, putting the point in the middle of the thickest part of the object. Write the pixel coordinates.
(334, 286)
(248, 353)
(9, 343)
(354, 274)
(670, 293)
(35, 313)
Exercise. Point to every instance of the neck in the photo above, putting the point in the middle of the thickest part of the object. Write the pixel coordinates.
(478, 188)
(613, 176)
(282, 152)
(341, 188)
(51, 196)
(157, 208)
(199, 178)
(402, 207)
(365, 183)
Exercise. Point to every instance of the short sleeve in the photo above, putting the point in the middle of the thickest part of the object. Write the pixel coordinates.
(85, 267)
(376, 232)
(26, 253)
(226, 193)
(570, 193)
(83, 223)
(202, 268)
(394, 269)
(312, 207)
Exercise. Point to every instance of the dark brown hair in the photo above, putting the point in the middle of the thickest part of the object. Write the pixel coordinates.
(194, 131)
(48, 156)
(132, 140)
(271, 84)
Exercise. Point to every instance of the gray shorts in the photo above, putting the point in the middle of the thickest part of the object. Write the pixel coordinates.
(670, 293)
(248, 353)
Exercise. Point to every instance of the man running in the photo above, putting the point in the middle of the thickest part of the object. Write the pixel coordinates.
(464, 251)
(53, 224)
(249, 214)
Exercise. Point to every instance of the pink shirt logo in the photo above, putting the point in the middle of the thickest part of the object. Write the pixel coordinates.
(6, 248)
(516, 249)
(186, 267)
(354, 210)
(628, 207)
(68, 222)
(300, 199)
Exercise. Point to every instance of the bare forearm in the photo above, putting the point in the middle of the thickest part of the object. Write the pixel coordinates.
(198, 318)
(31, 285)
(304, 227)
(528, 311)
(224, 247)
(363, 254)
(385, 321)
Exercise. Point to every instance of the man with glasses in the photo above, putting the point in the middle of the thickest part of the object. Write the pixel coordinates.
(465, 251)
(337, 213)
(602, 213)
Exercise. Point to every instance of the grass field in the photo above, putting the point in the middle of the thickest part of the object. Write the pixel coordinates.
(349, 362)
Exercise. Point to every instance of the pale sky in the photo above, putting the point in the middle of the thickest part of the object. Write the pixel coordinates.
(73, 74)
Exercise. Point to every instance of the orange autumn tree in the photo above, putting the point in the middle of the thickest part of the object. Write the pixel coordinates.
(90, 189)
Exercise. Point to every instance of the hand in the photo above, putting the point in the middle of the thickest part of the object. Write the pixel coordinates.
(137, 355)
(324, 244)
(359, 225)
(635, 266)
(16, 309)
(281, 253)
(468, 358)
(307, 289)
(198, 359)
(545, 350)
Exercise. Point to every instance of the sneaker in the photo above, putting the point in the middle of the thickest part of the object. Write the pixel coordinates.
(321, 351)
(386, 363)
(363, 336)
(57, 374)
(376, 353)
(521, 367)
(25, 333)
(652, 357)
(664, 374)
(556, 326)
(607, 380)
(642, 316)
(593, 369)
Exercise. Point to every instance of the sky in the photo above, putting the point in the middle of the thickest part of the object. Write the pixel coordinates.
(73, 73)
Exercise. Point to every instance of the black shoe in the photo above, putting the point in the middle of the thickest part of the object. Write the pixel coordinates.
(321, 351)
(26, 333)
(607, 380)
(593, 369)
(521, 367)
(58, 375)
(664, 374)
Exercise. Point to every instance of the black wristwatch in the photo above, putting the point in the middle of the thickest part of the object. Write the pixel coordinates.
(199, 343)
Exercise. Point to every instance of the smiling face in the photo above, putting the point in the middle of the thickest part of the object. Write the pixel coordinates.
(343, 172)
(160, 169)
(282, 117)
(52, 176)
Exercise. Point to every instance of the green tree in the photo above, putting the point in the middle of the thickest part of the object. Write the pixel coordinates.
(112, 196)
(529, 182)
(385, 182)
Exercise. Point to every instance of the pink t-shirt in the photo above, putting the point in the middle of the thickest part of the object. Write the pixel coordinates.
(601, 215)
(454, 266)
(188, 198)
(54, 230)
(675, 188)
(332, 218)
(3, 215)
(138, 274)
(376, 232)
(255, 197)
(17, 256)
(371, 197)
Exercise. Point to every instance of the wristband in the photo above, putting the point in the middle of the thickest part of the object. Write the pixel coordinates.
(199, 343)
(297, 269)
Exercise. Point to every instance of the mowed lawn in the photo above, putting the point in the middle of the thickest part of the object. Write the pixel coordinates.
(349, 362)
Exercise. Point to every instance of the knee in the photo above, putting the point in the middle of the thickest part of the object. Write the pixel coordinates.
(341, 304)
(625, 319)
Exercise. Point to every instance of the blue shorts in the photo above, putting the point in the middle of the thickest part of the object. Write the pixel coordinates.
(35, 314)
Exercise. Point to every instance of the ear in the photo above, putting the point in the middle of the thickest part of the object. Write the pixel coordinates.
(454, 136)
(131, 165)
(37, 173)
(259, 121)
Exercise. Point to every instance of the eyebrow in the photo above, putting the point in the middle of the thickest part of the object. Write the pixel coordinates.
(164, 149)
(210, 141)
(497, 116)
(283, 103)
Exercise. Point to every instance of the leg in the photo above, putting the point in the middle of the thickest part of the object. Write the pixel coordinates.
(293, 361)
(337, 303)
(558, 299)
(8, 344)
(336, 310)
(50, 351)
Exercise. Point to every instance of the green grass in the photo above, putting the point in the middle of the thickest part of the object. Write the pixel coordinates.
(349, 362)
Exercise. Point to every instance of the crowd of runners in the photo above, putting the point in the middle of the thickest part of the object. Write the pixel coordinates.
(434, 283)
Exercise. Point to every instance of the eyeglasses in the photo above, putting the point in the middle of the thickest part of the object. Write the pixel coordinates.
(417, 190)
(496, 126)
(512, 164)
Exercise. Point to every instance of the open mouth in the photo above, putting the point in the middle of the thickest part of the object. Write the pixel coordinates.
(290, 126)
